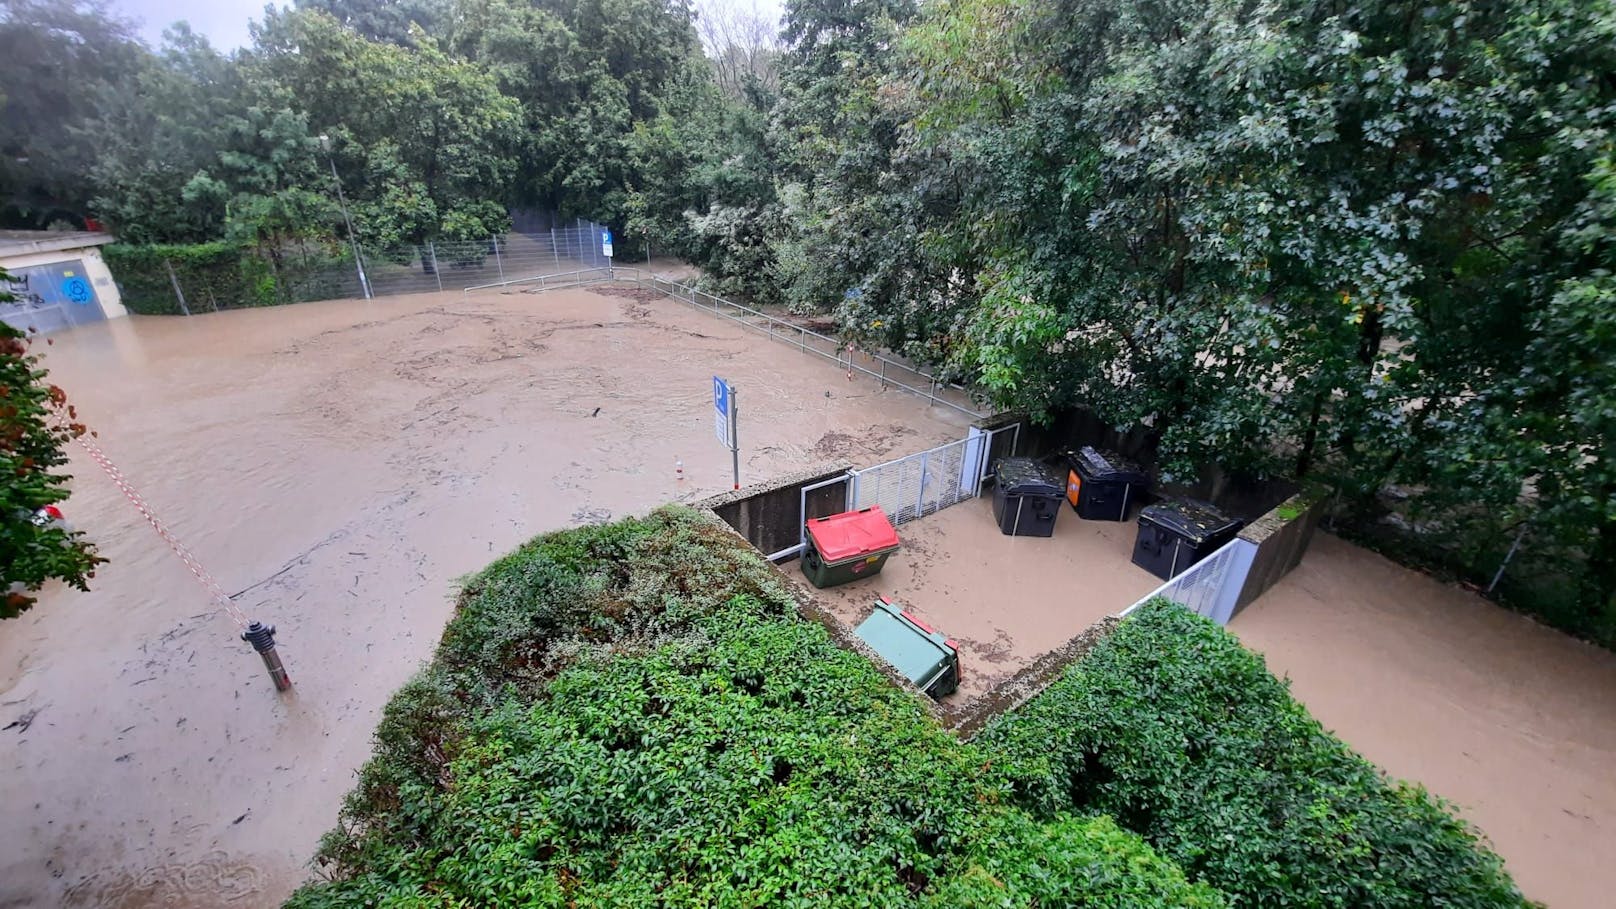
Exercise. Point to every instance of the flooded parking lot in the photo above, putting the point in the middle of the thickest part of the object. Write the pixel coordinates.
(338, 465)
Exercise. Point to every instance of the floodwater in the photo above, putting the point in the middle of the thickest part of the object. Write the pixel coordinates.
(1512, 721)
(339, 465)
(1006, 600)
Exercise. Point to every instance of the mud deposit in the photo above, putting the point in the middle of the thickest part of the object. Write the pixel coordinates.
(1512, 721)
(340, 465)
(1006, 600)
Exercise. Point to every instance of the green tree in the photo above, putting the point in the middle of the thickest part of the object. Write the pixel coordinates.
(36, 424)
(56, 58)
(424, 141)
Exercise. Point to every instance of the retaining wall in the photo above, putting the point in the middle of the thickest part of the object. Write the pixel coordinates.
(1281, 537)
(768, 515)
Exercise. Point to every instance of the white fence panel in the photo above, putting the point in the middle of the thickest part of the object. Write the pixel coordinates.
(1211, 586)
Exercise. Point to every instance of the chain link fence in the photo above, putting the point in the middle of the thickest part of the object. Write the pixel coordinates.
(212, 277)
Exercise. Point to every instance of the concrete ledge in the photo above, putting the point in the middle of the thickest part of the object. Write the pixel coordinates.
(1030, 681)
(1281, 537)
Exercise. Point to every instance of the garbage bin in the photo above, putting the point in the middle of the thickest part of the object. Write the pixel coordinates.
(848, 546)
(1101, 484)
(922, 654)
(1177, 533)
(1026, 497)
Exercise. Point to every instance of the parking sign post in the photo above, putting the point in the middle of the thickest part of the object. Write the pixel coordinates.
(725, 424)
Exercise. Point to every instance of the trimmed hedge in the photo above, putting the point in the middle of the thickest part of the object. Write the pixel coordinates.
(635, 714)
(1180, 733)
(223, 275)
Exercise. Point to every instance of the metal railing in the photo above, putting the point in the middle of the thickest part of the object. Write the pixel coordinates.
(1211, 586)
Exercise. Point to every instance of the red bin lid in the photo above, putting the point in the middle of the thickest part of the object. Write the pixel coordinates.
(852, 533)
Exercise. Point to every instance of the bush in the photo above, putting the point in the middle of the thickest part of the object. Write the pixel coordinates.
(222, 275)
(1173, 728)
(634, 714)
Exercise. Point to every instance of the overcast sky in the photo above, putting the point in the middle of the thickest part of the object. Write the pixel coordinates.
(224, 22)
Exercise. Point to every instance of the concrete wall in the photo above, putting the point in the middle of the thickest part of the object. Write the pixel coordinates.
(769, 515)
(1281, 537)
(95, 270)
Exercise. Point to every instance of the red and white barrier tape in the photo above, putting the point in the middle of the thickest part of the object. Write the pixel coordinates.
(207, 580)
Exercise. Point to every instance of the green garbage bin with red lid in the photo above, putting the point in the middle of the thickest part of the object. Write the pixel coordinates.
(848, 546)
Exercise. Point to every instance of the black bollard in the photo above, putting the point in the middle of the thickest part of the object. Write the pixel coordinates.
(262, 639)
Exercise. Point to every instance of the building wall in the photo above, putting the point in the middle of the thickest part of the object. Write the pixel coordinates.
(95, 269)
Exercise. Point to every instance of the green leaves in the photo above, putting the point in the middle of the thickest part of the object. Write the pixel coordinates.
(634, 714)
(1173, 728)
(36, 425)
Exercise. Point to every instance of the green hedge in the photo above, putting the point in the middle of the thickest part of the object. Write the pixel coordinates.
(1173, 728)
(224, 276)
(635, 715)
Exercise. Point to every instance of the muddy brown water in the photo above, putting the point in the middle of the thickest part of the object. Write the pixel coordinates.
(1512, 721)
(1006, 600)
(340, 464)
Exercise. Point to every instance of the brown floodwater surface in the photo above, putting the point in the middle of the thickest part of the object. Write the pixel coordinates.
(1512, 721)
(339, 465)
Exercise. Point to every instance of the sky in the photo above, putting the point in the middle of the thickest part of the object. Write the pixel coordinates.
(224, 22)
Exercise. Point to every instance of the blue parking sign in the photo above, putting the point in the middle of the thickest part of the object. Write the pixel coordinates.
(721, 410)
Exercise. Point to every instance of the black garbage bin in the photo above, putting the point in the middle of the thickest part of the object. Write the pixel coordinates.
(1100, 485)
(1026, 497)
(1177, 533)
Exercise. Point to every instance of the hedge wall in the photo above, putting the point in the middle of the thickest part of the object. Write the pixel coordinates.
(1180, 733)
(223, 276)
(635, 714)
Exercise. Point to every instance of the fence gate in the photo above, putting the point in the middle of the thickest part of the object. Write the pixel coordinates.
(922, 483)
(818, 500)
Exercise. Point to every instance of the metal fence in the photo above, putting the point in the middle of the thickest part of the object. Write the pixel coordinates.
(1210, 587)
(927, 482)
(328, 271)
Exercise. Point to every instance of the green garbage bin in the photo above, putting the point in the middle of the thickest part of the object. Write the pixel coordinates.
(919, 652)
(848, 546)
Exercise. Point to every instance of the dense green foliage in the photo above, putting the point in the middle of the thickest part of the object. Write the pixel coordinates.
(1364, 245)
(635, 715)
(1173, 728)
(440, 116)
(36, 424)
(224, 275)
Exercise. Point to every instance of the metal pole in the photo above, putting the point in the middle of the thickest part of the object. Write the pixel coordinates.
(497, 263)
(920, 500)
(432, 251)
(359, 262)
(1499, 575)
(262, 639)
(178, 294)
(553, 250)
(734, 437)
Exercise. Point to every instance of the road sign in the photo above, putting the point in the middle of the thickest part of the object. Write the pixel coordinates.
(721, 400)
(606, 243)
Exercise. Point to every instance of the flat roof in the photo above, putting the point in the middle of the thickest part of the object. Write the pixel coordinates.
(23, 242)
